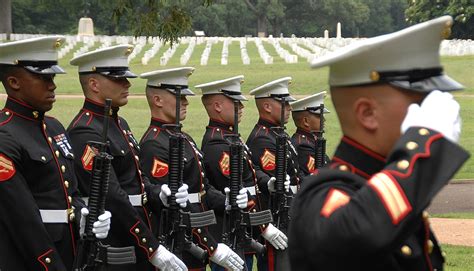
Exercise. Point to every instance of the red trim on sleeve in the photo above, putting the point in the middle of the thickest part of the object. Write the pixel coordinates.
(415, 157)
(138, 240)
(41, 260)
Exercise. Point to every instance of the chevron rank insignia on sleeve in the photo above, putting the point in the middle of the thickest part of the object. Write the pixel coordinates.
(87, 158)
(160, 168)
(268, 160)
(334, 200)
(310, 164)
(7, 168)
(224, 163)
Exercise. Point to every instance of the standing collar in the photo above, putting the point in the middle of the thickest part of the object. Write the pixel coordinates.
(23, 110)
(306, 133)
(159, 122)
(98, 108)
(219, 124)
(360, 157)
(267, 123)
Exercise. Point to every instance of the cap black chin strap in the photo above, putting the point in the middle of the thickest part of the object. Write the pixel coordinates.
(169, 86)
(106, 69)
(410, 75)
(36, 63)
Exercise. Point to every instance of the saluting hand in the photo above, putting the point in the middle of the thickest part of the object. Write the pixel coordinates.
(438, 111)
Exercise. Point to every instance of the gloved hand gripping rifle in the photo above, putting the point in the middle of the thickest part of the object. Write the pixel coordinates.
(92, 254)
(281, 199)
(176, 225)
(236, 220)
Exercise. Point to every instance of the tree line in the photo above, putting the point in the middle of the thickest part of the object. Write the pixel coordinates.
(171, 19)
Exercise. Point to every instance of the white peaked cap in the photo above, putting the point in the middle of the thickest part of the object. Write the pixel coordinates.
(276, 87)
(38, 55)
(170, 79)
(230, 87)
(310, 103)
(408, 58)
(111, 61)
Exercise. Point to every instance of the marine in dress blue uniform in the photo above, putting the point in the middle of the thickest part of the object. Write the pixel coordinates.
(401, 128)
(262, 145)
(103, 74)
(154, 159)
(218, 99)
(307, 118)
(40, 209)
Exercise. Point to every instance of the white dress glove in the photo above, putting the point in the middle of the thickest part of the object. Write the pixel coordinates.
(167, 261)
(277, 238)
(241, 200)
(438, 111)
(225, 257)
(181, 195)
(271, 184)
(100, 228)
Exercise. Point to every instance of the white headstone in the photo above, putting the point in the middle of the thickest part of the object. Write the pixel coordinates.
(86, 27)
(338, 33)
(326, 34)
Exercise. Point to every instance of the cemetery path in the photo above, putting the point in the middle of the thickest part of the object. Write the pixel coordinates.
(458, 232)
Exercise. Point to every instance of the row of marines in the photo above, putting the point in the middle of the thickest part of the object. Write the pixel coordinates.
(48, 167)
(364, 210)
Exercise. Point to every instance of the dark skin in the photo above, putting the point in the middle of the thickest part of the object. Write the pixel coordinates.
(307, 121)
(36, 90)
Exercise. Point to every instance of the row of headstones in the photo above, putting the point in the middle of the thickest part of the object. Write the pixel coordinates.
(306, 48)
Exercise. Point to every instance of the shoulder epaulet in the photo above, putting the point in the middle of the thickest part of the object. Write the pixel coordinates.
(261, 129)
(151, 133)
(84, 117)
(5, 117)
(216, 133)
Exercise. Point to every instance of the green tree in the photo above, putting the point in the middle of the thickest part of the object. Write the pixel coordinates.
(268, 13)
(461, 10)
(168, 19)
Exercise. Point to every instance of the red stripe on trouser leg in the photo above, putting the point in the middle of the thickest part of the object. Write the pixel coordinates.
(271, 258)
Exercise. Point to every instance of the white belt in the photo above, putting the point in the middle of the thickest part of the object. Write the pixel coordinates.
(196, 197)
(294, 188)
(135, 200)
(55, 216)
(251, 190)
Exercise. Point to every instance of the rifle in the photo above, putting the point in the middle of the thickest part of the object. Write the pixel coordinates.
(175, 224)
(92, 254)
(320, 150)
(280, 200)
(237, 221)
